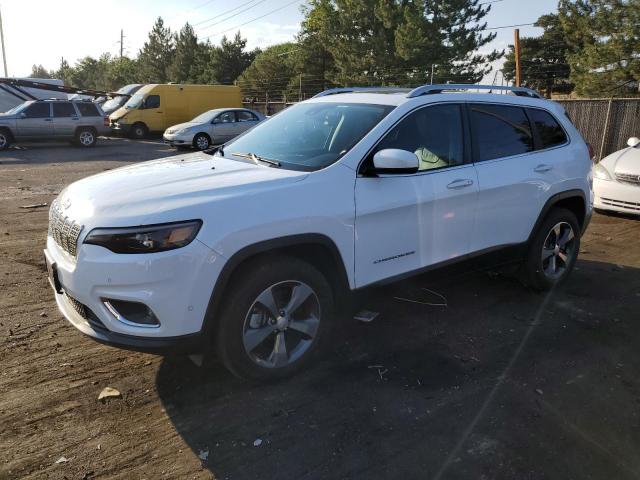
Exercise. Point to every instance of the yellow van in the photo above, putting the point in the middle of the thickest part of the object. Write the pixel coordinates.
(156, 107)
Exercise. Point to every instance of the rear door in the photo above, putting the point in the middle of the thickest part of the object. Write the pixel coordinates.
(514, 178)
(246, 120)
(36, 121)
(65, 119)
(406, 222)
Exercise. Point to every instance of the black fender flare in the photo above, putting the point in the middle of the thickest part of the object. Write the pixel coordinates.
(553, 201)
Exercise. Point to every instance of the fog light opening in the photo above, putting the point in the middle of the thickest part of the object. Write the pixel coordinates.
(131, 313)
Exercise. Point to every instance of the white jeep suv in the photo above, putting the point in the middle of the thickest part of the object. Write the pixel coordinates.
(247, 251)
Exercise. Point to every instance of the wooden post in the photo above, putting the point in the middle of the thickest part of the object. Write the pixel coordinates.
(4, 56)
(516, 48)
(606, 129)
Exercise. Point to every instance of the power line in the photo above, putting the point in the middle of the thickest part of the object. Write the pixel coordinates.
(231, 16)
(223, 13)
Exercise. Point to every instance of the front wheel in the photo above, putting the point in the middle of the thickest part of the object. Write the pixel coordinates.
(553, 251)
(201, 141)
(139, 131)
(5, 140)
(275, 318)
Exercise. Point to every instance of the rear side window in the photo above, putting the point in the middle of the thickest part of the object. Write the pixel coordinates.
(550, 132)
(63, 110)
(500, 131)
(38, 110)
(88, 109)
(244, 116)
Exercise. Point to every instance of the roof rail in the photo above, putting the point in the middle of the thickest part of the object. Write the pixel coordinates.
(333, 91)
(430, 89)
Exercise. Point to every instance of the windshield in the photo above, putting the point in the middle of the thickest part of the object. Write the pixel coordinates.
(310, 136)
(135, 101)
(114, 103)
(205, 117)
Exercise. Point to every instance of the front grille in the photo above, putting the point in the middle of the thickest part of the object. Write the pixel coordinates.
(63, 230)
(628, 178)
(86, 313)
(621, 204)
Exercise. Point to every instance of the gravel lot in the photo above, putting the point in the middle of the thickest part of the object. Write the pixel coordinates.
(501, 383)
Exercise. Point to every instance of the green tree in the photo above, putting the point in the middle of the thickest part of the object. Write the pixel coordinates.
(543, 59)
(156, 55)
(605, 39)
(230, 59)
(270, 73)
(183, 66)
(38, 71)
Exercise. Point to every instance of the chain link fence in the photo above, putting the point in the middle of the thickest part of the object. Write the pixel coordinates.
(606, 124)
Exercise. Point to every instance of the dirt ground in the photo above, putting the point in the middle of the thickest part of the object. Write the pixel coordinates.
(501, 383)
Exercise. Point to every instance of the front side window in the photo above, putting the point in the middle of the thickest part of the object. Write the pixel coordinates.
(134, 102)
(434, 134)
(38, 110)
(550, 132)
(244, 116)
(63, 110)
(226, 117)
(310, 136)
(500, 131)
(152, 101)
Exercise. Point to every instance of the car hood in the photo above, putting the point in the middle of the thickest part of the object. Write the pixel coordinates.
(626, 160)
(118, 114)
(180, 126)
(178, 188)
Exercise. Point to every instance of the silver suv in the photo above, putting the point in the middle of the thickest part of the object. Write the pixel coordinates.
(79, 121)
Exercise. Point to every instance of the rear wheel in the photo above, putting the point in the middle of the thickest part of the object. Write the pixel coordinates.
(276, 318)
(139, 130)
(5, 139)
(201, 141)
(85, 137)
(553, 251)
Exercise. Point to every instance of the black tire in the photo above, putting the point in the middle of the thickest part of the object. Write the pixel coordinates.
(86, 137)
(201, 141)
(5, 139)
(561, 254)
(139, 131)
(242, 309)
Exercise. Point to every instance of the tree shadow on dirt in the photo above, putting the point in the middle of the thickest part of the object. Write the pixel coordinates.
(502, 383)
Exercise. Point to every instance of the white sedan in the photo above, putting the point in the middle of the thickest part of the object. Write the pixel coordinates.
(616, 180)
(212, 128)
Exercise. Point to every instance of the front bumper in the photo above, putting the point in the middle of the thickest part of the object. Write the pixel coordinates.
(175, 140)
(615, 196)
(120, 128)
(175, 285)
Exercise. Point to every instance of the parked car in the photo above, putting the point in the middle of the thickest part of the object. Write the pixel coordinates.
(111, 105)
(616, 180)
(78, 121)
(155, 107)
(212, 128)
(247, 252)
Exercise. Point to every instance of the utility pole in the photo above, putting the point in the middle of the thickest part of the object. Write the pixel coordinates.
(432, 67)
(4, 56)
(516, 50)
(121, 42)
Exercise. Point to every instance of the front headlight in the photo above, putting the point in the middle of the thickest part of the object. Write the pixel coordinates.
(183, 131)
(601, 173)
(145, 239)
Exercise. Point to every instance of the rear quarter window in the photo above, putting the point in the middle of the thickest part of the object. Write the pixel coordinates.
(549, 130)
(88, 110)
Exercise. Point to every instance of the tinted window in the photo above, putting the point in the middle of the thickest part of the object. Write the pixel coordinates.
(88, 109)
(38, 110)
(152, 101)
(500, 131)
(549, 131)
(63, 110)
(434, 134)
(226, 117)
(244, 116)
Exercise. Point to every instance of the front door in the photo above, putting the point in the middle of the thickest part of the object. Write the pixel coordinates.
(35, 121)
(224, 127)
(406, 222)
(65, 119)
(153, 113)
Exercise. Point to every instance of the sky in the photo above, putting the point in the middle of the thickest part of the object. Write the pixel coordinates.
(44, 31)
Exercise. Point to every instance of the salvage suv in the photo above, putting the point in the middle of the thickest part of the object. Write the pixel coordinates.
(247, 252)
(77, 121)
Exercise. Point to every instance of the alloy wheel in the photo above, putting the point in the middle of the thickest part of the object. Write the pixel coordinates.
(3, 141)
(281, 324)
(558, 250)
(202, 142)
(86, 138)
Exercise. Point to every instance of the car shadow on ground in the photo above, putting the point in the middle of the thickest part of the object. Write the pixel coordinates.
(502, 382)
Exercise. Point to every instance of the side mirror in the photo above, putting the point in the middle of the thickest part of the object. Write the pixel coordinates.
(23, 115)
(394, 160)
(633, 142)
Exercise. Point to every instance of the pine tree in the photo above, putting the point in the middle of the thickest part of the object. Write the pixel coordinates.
(605, 38)
(156, 55)
(270, 73)
(230, 59)
(183, 66)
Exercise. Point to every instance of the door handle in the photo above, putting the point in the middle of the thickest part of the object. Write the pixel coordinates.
(543, 167)
(461, 183)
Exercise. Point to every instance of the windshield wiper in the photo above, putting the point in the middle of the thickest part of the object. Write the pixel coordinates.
(256, 159)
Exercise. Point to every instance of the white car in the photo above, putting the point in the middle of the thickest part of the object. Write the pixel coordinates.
(248, 252)
(212, 128)
(616, 180)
